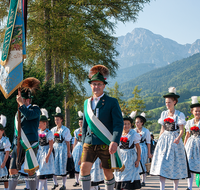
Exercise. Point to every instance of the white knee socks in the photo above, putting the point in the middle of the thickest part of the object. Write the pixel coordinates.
(41, 184)
(77, 177)
(143, 177)
(176, 184)
(64, 178)
(162, 183)
(55, 180)
(190, 181)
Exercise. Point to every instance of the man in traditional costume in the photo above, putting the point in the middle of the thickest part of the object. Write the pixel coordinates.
(101, 131)
(30, 117)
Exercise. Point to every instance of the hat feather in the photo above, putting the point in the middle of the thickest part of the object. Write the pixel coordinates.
(99, 68)
(58, 110)
(31, 83)
(133, 114)
(80, 113)
(3, 120)
(44, 112)
(143, 114)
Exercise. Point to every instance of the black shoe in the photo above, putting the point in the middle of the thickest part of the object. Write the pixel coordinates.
(54, 187)
(98, 188)
(63, 188)
(142, 184)
(26, 189)
(187, 189)
(76, 184)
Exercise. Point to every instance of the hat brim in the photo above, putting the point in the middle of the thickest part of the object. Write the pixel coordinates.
(57, 115)
(195, 105)
(1, 127)
(169, 95)
(142, 118)
(91, 80)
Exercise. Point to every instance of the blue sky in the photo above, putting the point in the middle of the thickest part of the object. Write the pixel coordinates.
(178, 20)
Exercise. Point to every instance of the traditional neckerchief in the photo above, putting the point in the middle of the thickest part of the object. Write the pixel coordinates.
(99, 129)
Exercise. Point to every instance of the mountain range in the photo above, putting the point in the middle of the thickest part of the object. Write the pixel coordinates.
(182, 74)
(143, 46)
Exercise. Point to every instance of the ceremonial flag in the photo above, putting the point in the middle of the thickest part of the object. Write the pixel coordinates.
(14, 51)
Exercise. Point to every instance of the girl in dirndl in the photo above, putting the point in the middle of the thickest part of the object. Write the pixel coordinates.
(44, 154)
(78, 147)
(61, 148)
(145, 143)
(192, 143)
(169, 159)
(129, 179)
(4, 152)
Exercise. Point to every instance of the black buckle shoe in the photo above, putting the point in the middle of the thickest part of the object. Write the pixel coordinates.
(76, 184)
(63, 188)
(54, 187)
(142, 184)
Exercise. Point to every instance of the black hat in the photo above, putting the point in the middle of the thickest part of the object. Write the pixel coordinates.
(129, 117)
(44, 116)
(142, 117)
(2, 122)
(26, 94)
(80, 115)
(58, 113)
(172, 93)
(195, 102)
(98, 73)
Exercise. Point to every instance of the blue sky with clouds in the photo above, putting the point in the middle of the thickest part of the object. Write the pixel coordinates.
(178, 20)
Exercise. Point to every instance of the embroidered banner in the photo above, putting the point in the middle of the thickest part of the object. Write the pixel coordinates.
(11, 67)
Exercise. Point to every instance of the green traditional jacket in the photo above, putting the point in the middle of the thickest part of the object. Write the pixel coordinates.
(110, 115)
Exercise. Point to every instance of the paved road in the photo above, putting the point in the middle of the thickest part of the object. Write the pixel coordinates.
(152, 183)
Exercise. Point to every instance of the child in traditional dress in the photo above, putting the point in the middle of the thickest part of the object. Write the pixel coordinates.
(78, 147)
(145, 143)
(192, 144)
(129, 179)
(61, 148)
(4, 152)
(44, 154)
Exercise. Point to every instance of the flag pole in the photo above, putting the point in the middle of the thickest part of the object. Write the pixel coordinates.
(19, 128)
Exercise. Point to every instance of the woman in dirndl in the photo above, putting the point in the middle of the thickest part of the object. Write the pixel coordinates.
(129, 179)
(61, 148)
(145, 144)
(192, 143)
(4, 152)
(78, 147)
(169, 159)
(44, 154)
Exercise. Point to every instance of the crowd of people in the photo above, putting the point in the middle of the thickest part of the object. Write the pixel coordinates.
(109, 147)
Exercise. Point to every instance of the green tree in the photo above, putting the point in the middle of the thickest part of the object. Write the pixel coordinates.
(136, 103)
(115, 93)
(65, 38)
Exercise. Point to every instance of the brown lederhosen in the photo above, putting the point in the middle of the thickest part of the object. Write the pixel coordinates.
(92, 152)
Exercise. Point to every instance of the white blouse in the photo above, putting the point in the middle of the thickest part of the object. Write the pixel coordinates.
(64, 131)
(178, 117)
(190, 123)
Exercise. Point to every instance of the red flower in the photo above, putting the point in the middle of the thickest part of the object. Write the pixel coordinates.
(80, 135)
(56, 134)
(170, 120)
(124, 139)
(194, 128)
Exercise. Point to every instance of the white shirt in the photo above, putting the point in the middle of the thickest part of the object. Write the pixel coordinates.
(95, 101)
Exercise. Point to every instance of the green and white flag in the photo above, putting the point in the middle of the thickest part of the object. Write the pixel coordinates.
(99, 129)
(30, 162)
